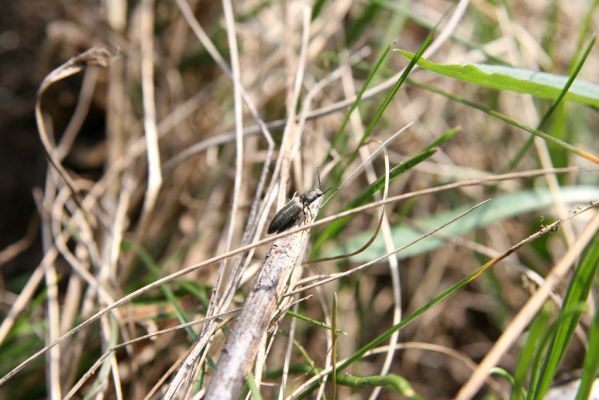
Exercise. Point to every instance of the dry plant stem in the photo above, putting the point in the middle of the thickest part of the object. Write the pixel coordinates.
(383, 225)
(26, 294)
(83, 105)
(92, 370)
(527, 313)
(291, 134)
(245, 248)
(393, 264)
(93, 56)
(290, 139)
(165, 376)
(512, 261)
(252, 225)
(213, 51)
(107, 270)
(111, 364)
(188, 108)
(232, 40)
(147, 86)
(371, 155)
(217, 303)
(238, 356)
(226, 137)
(116, 17)
(53, 358)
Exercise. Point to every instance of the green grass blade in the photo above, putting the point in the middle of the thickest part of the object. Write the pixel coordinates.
(314, 322)
(339, 140)
(511, 121)
(586, 27)
(365, 195)
(252, 386)
(536, 83)
(531, 347)
(497, 371)
(409, 318)
(379, 113)
(575, 70)
(333, 229)
(577, 294)
(392, 382)
(543, 347)
(591, 362)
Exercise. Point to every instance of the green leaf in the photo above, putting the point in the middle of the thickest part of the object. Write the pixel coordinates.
(500, 208)
(313, 321)
(391, 382)
(253, 387)
(536, 83)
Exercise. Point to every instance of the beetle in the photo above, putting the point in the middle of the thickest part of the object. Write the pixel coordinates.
(290, 213)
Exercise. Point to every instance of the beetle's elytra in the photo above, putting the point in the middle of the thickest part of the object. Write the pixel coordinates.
(290, 213)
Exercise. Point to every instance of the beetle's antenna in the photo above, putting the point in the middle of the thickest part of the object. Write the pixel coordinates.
(318, 177)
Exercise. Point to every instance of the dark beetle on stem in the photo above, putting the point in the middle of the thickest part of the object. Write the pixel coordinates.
(290, 213)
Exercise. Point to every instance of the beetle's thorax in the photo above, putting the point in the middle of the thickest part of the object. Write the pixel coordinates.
(309, 197)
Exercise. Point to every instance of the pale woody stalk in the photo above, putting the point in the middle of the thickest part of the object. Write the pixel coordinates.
(258, 311)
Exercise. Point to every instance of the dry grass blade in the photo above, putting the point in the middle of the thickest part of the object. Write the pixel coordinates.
(151, 131)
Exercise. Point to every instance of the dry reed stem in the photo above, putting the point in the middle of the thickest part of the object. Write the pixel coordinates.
(260, 306)
(149, 105)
